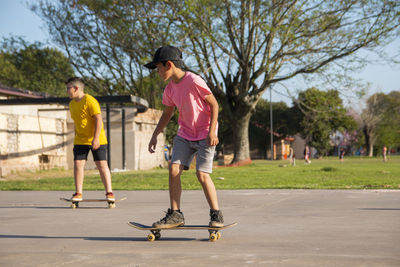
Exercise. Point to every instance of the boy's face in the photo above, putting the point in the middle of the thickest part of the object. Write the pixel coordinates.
(165, 72)
(72, 90)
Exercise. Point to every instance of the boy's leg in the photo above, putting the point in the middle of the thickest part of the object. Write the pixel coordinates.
(216, 217)
(100, 159)
(175, 188)
(209, 189)
(80, 157)
(79, 167)
(204, 164)
(180, 158)
(182, 155)
(174, 216)
(105, 174)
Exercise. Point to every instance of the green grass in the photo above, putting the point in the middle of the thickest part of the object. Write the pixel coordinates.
(328, 173)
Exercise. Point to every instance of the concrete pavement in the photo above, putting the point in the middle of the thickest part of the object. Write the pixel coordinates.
(275, 228)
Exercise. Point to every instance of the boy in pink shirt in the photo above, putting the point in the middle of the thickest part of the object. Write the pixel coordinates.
(197, 134)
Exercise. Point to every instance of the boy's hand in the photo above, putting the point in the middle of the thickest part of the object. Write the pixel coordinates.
(152, 144)
(95, 143)
(212, 139)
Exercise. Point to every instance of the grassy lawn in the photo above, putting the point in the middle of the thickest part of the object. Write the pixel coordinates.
(328, 173)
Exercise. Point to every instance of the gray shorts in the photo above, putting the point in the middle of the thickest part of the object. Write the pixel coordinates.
(184, 151)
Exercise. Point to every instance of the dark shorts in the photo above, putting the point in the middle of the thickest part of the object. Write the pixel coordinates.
(81, 152)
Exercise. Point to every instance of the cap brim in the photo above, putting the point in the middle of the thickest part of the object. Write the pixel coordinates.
(151, 65)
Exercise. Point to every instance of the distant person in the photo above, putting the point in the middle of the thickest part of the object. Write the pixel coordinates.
(89, 136)
(341, 154)
(384, 153)
(292, 157)
(307, 155)
(197, 133)
(166, 152)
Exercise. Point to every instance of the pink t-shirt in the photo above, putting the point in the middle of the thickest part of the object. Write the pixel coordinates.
(194, 112)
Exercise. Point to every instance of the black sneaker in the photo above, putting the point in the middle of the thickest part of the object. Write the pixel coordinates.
(172, 219)
(217, 220)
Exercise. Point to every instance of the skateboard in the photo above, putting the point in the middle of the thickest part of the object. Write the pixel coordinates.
(75, 204)
(155, 232)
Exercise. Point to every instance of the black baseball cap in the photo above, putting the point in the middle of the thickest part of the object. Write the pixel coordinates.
(165, 53)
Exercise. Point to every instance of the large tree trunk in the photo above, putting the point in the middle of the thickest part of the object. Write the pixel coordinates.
(369, 141)
(240, 129)
(371, 150)
(366, 136)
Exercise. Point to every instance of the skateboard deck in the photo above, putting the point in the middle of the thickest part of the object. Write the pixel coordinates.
(75, 204)
(155, 232)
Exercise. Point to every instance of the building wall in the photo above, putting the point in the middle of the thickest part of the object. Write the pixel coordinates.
(32, 133)
(28, 135)
(298, 146)
(282, 147)
(138, 131)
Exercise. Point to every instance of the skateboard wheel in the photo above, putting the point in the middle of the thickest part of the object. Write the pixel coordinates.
(151, 237)
(111, 205)
(157, 235)
(218, 235)
(213, 237)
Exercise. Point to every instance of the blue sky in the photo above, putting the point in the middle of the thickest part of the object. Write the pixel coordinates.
(17, 19)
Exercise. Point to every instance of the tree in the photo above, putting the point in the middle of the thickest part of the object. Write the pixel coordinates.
(371, 116)
(108, 42)
(380, 121)
(240, 47)
(323, 114)
(34, 67)
(285, 123)
(389, 127)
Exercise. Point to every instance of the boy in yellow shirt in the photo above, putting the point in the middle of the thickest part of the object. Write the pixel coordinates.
(89, 135)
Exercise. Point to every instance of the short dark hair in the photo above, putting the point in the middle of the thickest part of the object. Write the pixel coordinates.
(74, 80)
(177, 63)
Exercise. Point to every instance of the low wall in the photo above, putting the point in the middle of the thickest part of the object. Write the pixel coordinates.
(32, 139)
(138, 131)
(41, 137)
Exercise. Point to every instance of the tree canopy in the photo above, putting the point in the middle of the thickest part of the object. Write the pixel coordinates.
(380, 121)
(389, 126)
(285, 123)
(34, 67)
(240, 47)
(323, 114)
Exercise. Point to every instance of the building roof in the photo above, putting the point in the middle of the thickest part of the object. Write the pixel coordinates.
(10, 92)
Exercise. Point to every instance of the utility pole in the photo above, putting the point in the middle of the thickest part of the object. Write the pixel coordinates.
(271, 125)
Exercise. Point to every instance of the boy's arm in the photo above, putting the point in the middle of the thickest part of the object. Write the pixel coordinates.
(165, 117)
(212, 135)
(98, 123)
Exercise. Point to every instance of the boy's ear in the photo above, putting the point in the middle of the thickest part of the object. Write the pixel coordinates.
(169, 64)
(77, 88)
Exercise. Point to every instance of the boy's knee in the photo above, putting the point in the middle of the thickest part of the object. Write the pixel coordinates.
(79, 163)
(202, 176)
(102, 164)
(175, 169)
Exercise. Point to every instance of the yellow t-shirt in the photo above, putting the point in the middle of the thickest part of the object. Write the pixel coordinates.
(82, 113)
